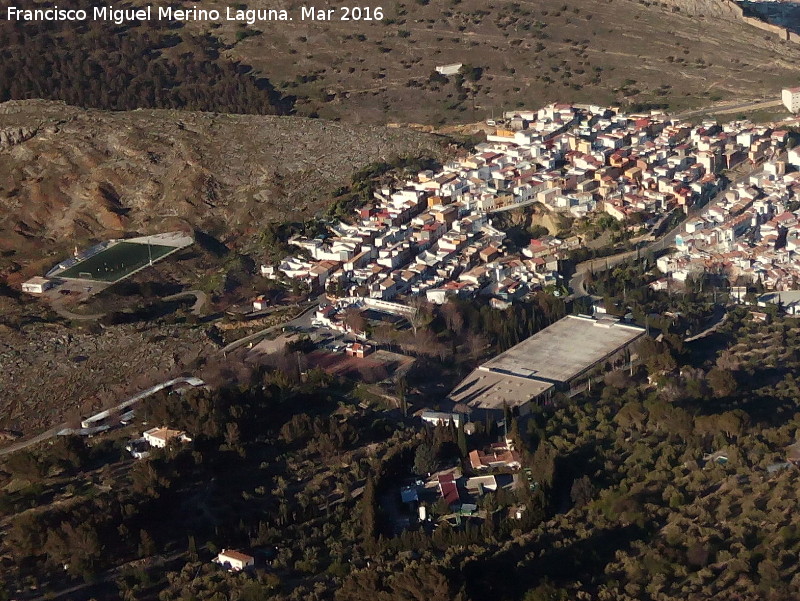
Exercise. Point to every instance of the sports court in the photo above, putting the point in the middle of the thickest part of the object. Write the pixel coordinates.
(117, 261)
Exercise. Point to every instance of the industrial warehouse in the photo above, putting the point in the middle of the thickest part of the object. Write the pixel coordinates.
(559, 358)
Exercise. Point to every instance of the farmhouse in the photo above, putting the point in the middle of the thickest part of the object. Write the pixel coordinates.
(234, 560)
(505, 459)
(160, 437)
(559, 358)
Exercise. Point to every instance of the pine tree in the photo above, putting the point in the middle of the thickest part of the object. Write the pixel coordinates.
(368, 517)
(462, 439)
(425, 459)
(192, 549)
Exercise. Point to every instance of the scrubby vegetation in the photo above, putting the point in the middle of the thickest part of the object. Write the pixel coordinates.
(137, 65)
(672, 481)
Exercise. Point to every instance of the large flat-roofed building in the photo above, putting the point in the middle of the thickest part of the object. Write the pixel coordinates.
(554, 359)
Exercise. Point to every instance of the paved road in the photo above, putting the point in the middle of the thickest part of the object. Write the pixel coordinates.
(302, 320)
(719, 317)
(752, 105)
(58, 307)
(53, 432)
(23, 444)
(99, 417)
(201, 298)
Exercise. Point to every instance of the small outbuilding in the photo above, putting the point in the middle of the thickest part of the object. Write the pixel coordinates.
(358, 350)
(37, 285)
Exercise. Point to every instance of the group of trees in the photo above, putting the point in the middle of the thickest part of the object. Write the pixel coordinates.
(364, 182)
(137, 65)
(642, 489)
(464, 331)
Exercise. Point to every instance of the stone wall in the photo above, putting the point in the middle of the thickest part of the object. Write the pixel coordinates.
(781, 32)
(730, 10)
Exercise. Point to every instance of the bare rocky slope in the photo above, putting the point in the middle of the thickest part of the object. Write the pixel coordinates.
(711, 8)
(68, 174)
(51, 373)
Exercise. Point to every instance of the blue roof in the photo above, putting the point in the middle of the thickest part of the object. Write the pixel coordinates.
(409, 494)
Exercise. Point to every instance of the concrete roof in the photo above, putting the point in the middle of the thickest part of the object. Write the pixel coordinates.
(552, 356)
(787, 297)
(488, 390)
(37, 279)
(565, 349)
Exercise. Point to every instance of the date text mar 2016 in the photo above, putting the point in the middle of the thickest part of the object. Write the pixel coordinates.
(343, 13)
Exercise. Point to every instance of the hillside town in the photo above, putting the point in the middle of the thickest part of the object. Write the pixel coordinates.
(425, 301)
(433, 234)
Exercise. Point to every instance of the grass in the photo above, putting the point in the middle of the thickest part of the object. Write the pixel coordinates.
(117, 262)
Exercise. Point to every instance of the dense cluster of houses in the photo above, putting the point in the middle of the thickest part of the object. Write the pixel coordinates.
(487, 471)
(591, 158)
(432, 235)
(753, 233)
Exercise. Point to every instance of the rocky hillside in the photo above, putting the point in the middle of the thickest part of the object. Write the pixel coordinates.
(638, 53)
(68, 174)
(711, 8)
(83, 370)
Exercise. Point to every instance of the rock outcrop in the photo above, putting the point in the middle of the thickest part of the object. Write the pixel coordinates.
(15, 135)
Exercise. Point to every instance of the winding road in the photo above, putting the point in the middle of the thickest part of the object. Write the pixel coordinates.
(300, 320)
(201, 298)
(53, 432)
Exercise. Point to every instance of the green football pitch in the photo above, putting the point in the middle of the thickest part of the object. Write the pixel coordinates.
(116, 262)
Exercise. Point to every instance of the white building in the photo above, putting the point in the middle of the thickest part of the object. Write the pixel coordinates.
(791, 99)
(793, 157)
(787, 300)
(451, 69)
(439, 418)
(160, 437)
(234, 560)
(36, 285)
